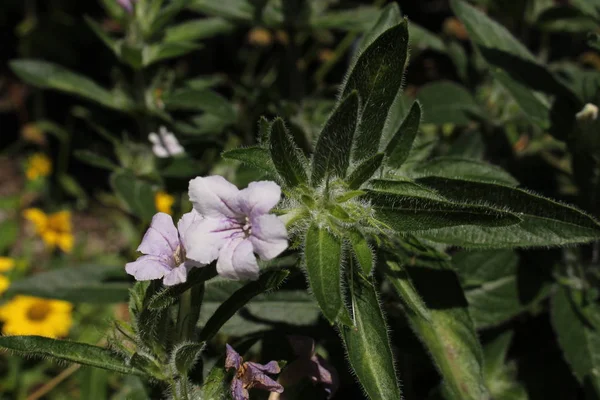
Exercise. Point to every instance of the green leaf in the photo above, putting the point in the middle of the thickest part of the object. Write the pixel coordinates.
(545, 222)
(565, 19)
(399, 147)
(323, 259)
(65, 350)
(446, 102)
(448, 334)
(405, 188)
(511, 63)
(267, 281)
(390, 16)
(136, 194)
(377, 76)
(467, 169)
(167, 297)
(9, 230)
(163, 51)
(185, 355)
(93, 159)
(361, 250)
(51, 76)
(77, 284)
(332, 151)
(495, 290)
(287, 157)
(407, 213)
(422, 39)
(577, 330)
(229, 9)
(258, 157)
(203, 100)
(356, 19)
(501, 378)
(197, 29)
(589, 7)
(216, 385)
(364, 171)
(94, 383)
(397, 275)
(368, 344)
(264, 131)
(204, 82)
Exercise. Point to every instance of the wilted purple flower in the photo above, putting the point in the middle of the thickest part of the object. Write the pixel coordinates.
(308, 365)
(236, 225)
(165, 144)
(127, 5)
(250, 375)
(164, 250)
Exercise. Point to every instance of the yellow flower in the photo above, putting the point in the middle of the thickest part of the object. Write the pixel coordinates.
(38, 165)
(6, 264)
(32, 133)
(164, 202)
(4, 283)
(26, 315)
(54, 229)
(260, 37)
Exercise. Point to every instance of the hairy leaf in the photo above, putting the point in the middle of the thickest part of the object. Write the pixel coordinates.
(287, 157)
(368, 344)
(447, 103)
(332, 151)
(255, 156)
(185, 355)
(364, 171)
(463, 168)
(399, 147)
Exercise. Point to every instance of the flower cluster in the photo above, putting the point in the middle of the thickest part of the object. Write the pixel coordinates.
(54, 229)
(227, 224)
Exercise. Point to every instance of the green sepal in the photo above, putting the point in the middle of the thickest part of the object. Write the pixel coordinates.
(364, 171)
(185, 355)
(287, 157)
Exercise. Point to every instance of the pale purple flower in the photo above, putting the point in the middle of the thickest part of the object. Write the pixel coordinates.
(308, 365)
(165, 144)
(250, 375)
(164, 250)
(127, 5)
(236, 225)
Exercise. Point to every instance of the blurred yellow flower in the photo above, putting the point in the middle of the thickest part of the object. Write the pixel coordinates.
(164, 202)
(38, 165)
(54, 229)
(326, 55)
(32, 133)
(590, 58)
(4, 283)
(260, 37)
(6, 264)
(26, 315)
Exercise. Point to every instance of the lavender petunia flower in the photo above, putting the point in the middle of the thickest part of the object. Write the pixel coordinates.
(250, 375)
(164, 250)
(165, 144)
(236, 225)
(127, 5)
(308, 365)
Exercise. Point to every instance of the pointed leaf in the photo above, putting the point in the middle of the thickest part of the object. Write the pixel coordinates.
(137, 195)
(264, 131)
(407, 213)
(332, 151)
(364, 171)
(286, 156)
(368, 344)
(197, 29)
(578, 333)
(445, 102)
(185, 355)
(390, 16)
(545, 222)
(267, 281)
(51, 76)
(94, 159)
(377, 76)
(361, 250)
(399, 147)
(323, 257)
(202, 100)
(65, 350)
(258, 157)
(467, 169)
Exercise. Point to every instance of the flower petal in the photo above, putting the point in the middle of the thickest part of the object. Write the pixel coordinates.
(176, 275)
(259, 198)
(146, 268)
(237, 261)
(186, 222)
(237, 390)
(213, 196)
(269, 236)
(204, 240)
(272, 367)
(161, 239)
(260, 380)
(232, 359)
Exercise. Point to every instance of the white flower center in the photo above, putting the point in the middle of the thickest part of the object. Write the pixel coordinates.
(247, 228)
